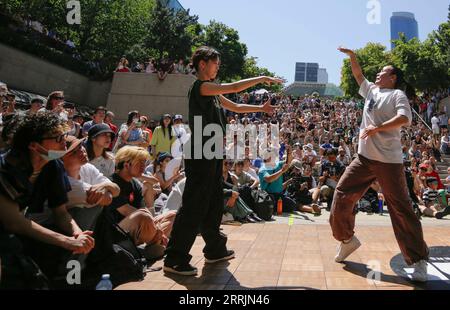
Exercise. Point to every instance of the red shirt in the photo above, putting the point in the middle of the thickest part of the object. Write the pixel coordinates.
(123, 70)
(435, 175)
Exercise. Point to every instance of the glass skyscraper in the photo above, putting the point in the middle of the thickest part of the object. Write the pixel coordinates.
(403, 22)
(172, 4)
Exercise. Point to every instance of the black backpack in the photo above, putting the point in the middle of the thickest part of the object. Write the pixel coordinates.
(263, 204)
(114, 254)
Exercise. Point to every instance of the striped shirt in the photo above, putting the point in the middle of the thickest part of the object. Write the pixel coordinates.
(430, 195)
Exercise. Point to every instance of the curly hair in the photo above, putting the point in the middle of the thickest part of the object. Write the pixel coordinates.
(33, 128)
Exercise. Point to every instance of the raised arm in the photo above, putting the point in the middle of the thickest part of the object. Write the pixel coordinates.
(213, 89)
(356, 68)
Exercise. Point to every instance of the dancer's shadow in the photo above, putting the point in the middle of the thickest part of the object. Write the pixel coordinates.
(438, 271)
(219, 275)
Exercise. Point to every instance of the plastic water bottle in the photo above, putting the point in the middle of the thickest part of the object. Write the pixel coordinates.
(280, 207)
(104, 284)
(380, 206)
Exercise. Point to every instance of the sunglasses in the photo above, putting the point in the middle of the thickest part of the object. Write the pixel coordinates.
(58, 98)
(59, 138)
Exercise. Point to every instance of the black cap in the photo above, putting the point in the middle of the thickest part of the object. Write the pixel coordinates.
(37, 100)
(99, 129)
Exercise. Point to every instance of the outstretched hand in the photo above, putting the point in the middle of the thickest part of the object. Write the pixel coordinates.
(347, 51)
(272, 80)
(268, 108)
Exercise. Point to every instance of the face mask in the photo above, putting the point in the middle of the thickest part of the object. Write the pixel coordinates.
(50, 155)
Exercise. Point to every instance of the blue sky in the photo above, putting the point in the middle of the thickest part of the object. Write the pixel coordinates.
(283, 32)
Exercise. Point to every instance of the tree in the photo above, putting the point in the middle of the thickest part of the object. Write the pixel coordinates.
(422, 63)
(372, 58)
(226, 41)
(171, 34)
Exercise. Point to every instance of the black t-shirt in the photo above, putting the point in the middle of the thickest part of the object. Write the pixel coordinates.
(130, 193)
(208, 107)
(334, 169)
(52, 185)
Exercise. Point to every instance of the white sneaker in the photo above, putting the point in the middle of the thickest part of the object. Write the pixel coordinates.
(420, 271)
(346, 249)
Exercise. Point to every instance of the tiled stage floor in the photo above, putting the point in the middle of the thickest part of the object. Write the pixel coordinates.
(291, 255)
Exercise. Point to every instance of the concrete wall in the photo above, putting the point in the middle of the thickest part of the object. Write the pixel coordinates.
(148, 95)
(25, 72)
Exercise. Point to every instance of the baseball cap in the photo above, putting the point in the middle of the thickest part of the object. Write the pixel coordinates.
(164, 156)
(296, 164)
(72, 143)
(99, 129)
(178, 117)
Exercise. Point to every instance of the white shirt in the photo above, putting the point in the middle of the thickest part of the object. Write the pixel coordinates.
(385, 104)
(105, 166)
(435, 122)
(89, 175)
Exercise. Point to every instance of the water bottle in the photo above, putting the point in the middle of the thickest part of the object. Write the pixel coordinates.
(380, 206)
(280, 207)
(104, 284)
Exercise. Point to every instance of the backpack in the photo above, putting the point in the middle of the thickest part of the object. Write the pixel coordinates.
(263, 204)
(19, 271)
(115, 254)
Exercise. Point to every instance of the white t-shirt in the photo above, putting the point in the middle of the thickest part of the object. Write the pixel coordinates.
(381, 106)
(89, 175)
(105, 166)
(435, 122)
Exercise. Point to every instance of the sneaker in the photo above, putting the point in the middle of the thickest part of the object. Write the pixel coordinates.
(346, 249)
(182, 270)
(420, 272)
(228, 256)
(440, 215)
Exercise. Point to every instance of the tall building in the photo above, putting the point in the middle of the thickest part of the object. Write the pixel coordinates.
(323, 76)
(306, 72)
(172, 4)
(403, 22)
(310, 78)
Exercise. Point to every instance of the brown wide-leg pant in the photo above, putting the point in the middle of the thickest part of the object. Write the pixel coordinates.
(355, 182)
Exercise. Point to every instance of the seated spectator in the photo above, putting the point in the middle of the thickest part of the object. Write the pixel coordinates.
(301, 187)
(243, 178)
(97, 118)
(271, 179)
(232, 201)
(32, 176)
(159, 168)
(55, 103)
(147, 133)
(343, 157)
(90, 189)
(97, 145)
(123, 65)
(151, 66)
(130, 133)
(36, 105)
(181, 136)
(431, 173)
(309, 155)
(331, 172)
(180, 68)
(248, 168)
(132, 209)
(74, 127)
(163, 138)
(165, 68)
(435, 201)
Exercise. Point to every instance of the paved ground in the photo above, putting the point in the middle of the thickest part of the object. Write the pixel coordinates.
(296, 253)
